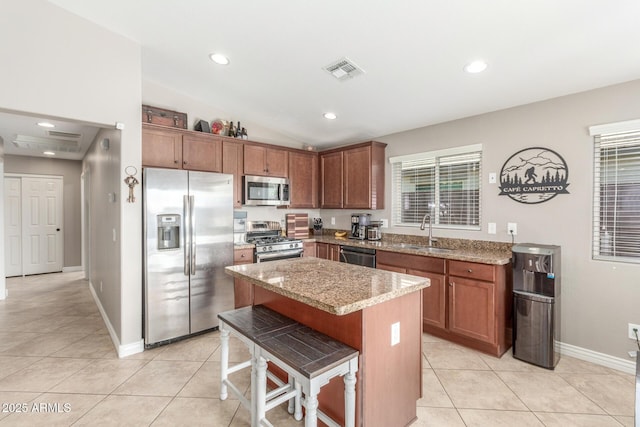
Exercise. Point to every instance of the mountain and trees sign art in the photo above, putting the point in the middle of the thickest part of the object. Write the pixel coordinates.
(534, 175)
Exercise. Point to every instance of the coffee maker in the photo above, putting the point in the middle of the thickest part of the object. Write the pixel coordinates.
(359, 224)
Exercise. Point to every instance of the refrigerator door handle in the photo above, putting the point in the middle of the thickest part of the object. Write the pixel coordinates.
(193, 233)
(186, 215)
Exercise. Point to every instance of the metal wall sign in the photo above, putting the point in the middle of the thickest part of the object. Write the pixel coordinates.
(534, 175)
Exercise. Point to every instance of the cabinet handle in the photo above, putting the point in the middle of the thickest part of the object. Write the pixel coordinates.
(469, 270)
(242, 255)
(450, 283)
(184, 163)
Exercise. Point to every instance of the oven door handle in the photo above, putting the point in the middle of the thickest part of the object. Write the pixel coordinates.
(279, 254)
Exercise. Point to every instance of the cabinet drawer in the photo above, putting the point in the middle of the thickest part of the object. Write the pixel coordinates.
(243, 256)
(472, 270)
(415, 262)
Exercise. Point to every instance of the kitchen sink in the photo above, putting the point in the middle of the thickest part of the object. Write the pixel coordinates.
(422, 248)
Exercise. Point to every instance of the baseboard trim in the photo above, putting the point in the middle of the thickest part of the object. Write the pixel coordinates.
(123, 350)
(602, 359)
(71, 268)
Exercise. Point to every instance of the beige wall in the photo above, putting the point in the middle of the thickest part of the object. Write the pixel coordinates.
(598, 298)
(59, 65)
(70, 170)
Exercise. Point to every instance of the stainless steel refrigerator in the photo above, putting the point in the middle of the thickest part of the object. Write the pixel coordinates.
(188, 240)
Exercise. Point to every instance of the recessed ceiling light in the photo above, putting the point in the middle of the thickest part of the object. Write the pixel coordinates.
(46, 125)
(329, 116)
(219, 58)
(49, 153)
(475, 67)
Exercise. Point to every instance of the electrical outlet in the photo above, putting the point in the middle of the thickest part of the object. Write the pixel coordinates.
(395, 333)
(384, 223)
(101, 286)
(491, 229)
(492, 178)
(333, 220)
(512, 228)
(632, 334)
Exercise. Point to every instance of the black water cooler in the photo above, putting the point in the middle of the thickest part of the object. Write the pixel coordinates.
(536, 303)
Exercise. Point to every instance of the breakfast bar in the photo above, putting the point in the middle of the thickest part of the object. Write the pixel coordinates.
(377, 312)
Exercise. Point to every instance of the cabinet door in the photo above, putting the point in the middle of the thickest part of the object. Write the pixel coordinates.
(433, 298)
(334, 252)
(161, 149)
(254, 160)
(357, 178)
(277, 162)
(243, 290)
(322, 250)
(232, 162)
(202, 153)
(303, 179)
(472, 308)
(310, 248)
(331, 182)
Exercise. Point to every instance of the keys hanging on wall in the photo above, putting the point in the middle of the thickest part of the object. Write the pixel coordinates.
(131, 182)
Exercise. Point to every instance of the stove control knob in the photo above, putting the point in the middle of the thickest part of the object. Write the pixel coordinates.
(264, 248)
(270, 248)
(291, 245)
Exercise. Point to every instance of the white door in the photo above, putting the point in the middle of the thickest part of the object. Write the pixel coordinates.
(12, 227)
(42, 241)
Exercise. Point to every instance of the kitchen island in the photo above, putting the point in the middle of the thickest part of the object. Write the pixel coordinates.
(361, 307)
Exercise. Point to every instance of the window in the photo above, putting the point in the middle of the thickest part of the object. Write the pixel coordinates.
(616, 197)
(444, 184)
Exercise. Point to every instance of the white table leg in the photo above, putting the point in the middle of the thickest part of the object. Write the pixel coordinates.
(261, 388)
(297, 414)
(349, 399)
(311, 404)
(224, 361)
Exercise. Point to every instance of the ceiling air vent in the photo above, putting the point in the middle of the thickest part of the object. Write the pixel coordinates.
(343, 69)
(65, 135)
(37, 143)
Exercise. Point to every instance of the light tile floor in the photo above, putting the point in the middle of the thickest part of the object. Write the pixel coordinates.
(58, 366)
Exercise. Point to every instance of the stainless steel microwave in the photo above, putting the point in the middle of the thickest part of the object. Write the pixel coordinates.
(265, 191)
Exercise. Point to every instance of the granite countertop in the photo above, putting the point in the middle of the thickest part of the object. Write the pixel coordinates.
(334, 287)
(461, 250)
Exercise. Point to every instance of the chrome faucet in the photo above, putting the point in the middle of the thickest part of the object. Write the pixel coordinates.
(424, 219)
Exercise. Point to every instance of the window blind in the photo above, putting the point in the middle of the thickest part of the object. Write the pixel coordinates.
(616, 207)
(445, 186)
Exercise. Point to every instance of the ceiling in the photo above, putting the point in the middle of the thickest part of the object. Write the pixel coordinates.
(412, 53)
(23, 137)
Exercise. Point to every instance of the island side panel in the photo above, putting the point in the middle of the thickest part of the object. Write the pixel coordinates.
(394, 373)
(346, 329)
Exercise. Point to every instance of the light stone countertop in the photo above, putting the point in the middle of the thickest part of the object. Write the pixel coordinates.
(334, 287)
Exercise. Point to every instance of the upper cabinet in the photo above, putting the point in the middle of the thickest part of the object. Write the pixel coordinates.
(265, 161)
(303, 179)
(232, 162)
(353, 177)
(177, 149)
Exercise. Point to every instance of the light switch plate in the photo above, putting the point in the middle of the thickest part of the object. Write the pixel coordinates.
(492, 178)
(384, 223)
(491, 228)
(395, 333)
(333, 220)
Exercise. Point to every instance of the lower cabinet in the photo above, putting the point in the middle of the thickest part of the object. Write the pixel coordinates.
(467, 303)
(309, 249)
(243, 291)
(328, 251)
(433, 297)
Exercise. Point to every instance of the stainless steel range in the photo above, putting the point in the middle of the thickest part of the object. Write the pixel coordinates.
(270, 244)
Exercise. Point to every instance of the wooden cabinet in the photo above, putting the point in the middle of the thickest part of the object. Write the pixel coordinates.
(161, 148)
(233, 163)
(353, 177)
(243, 290)
(309, 249)
(265, 161)
(434, 297)
(303, 180)
(176, 149)
(468, 303)
(331, 182)
(328, 251)
(202, 152)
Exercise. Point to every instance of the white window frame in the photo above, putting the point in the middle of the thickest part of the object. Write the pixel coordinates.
(432, 157)
(604, 246)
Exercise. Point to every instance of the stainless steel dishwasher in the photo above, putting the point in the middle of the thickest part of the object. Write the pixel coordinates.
(358, 255)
